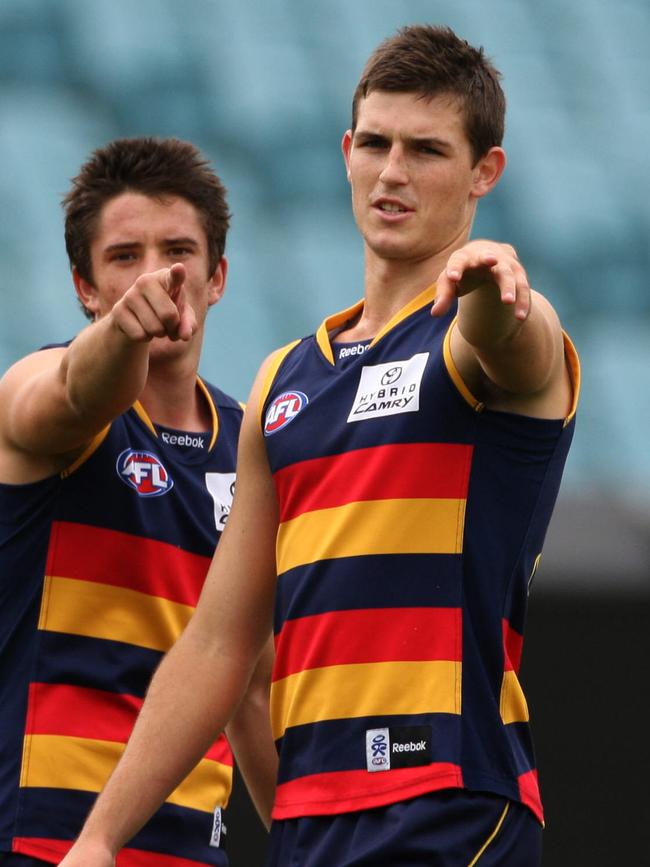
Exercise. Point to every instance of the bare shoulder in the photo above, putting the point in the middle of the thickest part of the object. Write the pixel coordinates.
(28, 394)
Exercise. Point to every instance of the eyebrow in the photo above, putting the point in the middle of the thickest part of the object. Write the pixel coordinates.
(427, 141)
(167, 242)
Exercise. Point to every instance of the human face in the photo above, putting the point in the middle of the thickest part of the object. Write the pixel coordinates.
(414, 184)
(137, 234)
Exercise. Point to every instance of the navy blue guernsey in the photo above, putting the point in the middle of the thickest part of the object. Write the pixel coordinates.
(101, 569)
(411, 521)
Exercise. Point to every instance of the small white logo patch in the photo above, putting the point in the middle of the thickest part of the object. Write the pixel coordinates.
(377, 749)
(389, 389)
(222, 488)
(215, 837)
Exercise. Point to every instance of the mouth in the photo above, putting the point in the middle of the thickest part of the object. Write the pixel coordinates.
(391, 207)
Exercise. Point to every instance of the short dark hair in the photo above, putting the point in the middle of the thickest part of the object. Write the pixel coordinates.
(431, 60)
(154, 167)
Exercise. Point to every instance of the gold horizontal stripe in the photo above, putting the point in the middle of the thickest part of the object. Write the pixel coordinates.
(399, 526)
(512, 706)
(367, 689)
(115, 613)
(60, 762)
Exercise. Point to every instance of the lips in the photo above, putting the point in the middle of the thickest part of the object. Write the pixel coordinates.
(391, 206)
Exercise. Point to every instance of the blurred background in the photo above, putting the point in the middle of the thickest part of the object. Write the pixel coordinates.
(264, 89)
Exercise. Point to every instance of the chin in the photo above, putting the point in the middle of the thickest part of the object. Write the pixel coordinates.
(162, 348)
(394, 250)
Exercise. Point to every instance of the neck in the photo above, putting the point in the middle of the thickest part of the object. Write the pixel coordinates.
(390, 284)
(172, 398)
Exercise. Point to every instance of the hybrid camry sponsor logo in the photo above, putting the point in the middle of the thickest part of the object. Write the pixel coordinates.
(144, 472)
(398, 747)
(222, 488)
(283, 410)
(389, 389)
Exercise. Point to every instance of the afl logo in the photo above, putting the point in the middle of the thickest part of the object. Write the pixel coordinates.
(143, 472)
(283, 410)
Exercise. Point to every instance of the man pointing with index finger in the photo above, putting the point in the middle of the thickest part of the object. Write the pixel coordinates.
(117, 467)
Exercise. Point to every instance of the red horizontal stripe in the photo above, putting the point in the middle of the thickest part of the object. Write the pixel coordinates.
(123, 560)
(54, 850)
(345, 791)
(513, 645)
(529, 794)
(73, 711)
(368, 635)
(57, 709)
(402, 471)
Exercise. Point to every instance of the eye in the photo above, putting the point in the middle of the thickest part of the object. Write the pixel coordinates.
(123, 256)
(373, 142)
(429, 150)
(179, 252)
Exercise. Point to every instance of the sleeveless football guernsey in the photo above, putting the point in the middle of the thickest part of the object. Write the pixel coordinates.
(101, 569)
(411, 523)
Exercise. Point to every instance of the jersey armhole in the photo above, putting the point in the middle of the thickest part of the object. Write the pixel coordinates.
(455, 376)
(573, 366)
(87, 453)
(272, 370)
(572, 363)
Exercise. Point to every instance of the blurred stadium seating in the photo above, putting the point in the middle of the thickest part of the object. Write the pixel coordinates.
(264, 88)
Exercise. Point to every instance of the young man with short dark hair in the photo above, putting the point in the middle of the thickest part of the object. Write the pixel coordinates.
(117, 466)
(397, 472)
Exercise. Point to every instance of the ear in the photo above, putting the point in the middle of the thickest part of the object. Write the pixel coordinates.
(346, 147)
(217, 283)
(487, 171)
(86, 293)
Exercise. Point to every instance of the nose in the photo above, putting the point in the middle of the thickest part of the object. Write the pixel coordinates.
(395, 168)
(153, 260)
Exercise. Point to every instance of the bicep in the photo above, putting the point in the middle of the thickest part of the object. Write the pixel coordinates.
(38, 433)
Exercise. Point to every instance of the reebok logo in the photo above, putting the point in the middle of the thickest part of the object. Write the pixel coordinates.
(409, 747)
(188, 440)
(398, 747)
(357, 349)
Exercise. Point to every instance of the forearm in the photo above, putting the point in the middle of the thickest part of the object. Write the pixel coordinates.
(504, 329)
(519, 356)
(484, 320)
(103, 372)
(250, 736)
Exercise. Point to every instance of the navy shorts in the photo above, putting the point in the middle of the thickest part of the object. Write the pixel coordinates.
(452, 828)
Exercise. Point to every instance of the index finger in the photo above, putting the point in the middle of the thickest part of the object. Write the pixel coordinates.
(174, 280)
(445, 294)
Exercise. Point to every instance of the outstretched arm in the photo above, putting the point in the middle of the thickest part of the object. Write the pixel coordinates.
(508, 341)
(52, 403)
(201, 681)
